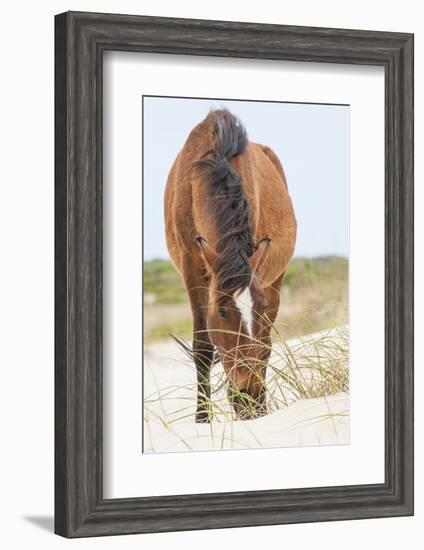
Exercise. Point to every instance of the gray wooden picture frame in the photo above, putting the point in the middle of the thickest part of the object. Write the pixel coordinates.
(80, 40)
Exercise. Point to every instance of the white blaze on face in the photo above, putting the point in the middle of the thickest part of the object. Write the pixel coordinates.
(244, 304)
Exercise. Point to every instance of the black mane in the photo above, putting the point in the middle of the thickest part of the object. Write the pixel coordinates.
(226, 194)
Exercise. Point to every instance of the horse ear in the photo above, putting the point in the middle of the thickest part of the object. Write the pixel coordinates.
(208, 253)
(260, 254)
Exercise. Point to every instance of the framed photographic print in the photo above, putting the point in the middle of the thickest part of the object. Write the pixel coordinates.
(234, 274)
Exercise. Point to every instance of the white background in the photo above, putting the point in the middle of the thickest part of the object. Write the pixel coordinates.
(26, 300)
(128, 473)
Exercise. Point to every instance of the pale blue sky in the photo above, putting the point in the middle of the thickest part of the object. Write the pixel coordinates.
(311, 140)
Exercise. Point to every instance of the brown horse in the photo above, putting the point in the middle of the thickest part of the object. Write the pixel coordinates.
(231, 231)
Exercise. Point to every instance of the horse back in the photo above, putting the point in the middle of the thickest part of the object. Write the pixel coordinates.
(272, 211)
(182, 218)
(188, 211)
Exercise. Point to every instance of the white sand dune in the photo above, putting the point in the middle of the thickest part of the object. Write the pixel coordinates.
(170, 400)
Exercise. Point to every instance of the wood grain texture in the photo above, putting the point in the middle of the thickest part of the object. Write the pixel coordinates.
(81, 38)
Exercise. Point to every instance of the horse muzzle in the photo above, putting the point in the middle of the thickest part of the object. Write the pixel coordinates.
(247, 407)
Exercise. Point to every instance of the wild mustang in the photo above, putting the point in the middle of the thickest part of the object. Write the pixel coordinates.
(231, 231)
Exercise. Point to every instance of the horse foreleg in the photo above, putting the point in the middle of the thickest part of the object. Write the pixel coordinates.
(203, 356)
(203, 350)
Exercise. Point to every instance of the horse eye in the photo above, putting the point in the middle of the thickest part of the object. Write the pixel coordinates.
(222, 312)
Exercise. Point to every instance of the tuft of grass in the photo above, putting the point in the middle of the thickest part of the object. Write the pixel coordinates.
(304, 368)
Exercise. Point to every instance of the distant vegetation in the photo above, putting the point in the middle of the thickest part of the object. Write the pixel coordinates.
(163, 282)
(314, 296)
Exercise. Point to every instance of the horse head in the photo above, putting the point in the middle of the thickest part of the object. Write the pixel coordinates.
(239, 328)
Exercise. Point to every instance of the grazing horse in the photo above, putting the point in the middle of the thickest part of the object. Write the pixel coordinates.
(230, 231)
